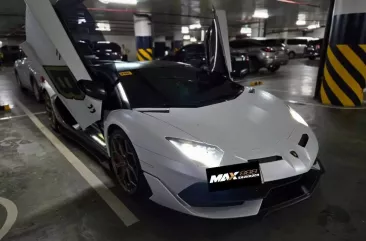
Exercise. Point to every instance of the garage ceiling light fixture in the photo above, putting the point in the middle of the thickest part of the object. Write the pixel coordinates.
(246, 30)
(103, 27)
(81, 20)
(195, 26)
(193, 40)
(300, 22)
(261, 13)
(186, 37)
(185, 30)
(301, 19)
(130, 2)
(314, 26)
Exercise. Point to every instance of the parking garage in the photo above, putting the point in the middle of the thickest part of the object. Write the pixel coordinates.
(279, 94)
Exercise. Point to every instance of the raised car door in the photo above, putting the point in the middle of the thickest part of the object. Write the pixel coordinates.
(62, 65)
(217, 45)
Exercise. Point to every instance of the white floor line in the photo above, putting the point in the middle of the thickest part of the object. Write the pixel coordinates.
(113, 202)
(20, 116)
(325, 106)
(11, 216)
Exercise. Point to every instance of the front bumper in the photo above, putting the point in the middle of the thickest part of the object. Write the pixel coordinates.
(276, 61)
(198, 201)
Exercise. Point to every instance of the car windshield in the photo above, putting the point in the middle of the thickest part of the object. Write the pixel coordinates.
(177, 86)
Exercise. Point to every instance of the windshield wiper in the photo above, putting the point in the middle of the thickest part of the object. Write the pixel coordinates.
(153, 110)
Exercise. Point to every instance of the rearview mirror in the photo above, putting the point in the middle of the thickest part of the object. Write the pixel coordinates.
(94, 89)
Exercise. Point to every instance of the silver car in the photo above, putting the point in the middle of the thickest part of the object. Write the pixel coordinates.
(28, 77)
(260, 54)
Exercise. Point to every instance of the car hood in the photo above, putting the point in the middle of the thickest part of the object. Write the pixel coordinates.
(252, 121)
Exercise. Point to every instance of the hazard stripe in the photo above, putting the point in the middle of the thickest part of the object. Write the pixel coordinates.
(149, 50)
(323, 95)
(344, 74)
(363, 46)
(342, 83)
(331, 96)
(353, 59)
(145, 54)
(139, 58)
(341, 96)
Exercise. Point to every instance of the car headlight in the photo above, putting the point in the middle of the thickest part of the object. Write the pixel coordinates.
(204, 154)
(297, 117)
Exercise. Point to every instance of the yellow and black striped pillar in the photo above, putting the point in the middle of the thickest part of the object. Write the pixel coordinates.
(143, 37)
(344, 72)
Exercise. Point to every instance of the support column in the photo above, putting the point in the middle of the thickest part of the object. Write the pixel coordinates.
(143, 37)
(177, 41)
(344, 73)
(159, 46)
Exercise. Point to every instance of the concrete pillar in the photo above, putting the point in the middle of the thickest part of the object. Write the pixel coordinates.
(177, 41)
(344, 74)
(257, 30)
(142, 24)
(159, 46)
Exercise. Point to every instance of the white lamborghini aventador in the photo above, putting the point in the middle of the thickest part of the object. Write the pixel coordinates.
(186, 138)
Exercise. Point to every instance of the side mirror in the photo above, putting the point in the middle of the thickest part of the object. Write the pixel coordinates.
(94, 89)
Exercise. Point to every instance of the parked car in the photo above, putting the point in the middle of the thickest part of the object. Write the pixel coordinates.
(279, 46)
(107, 50)
(194, 54)
(260, 55)
(10, 53)
(312, 50)
(28, 77)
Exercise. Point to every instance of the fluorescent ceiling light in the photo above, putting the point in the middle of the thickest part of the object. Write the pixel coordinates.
(185, 29)
(186, 37)
(131, 2)
(300, 22)
(81, 20)
(103, 27)
(195, 26)
(314, 26)
(261, 13)
(193, 39)
(246, 30)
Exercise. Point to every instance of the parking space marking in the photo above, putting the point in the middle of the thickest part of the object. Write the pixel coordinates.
(11, 216)
(127, 217)
(20, 116)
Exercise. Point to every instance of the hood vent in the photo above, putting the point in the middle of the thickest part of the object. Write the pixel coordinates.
(304, 140)
(266, 159)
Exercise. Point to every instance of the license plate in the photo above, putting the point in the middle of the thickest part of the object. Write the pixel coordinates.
(234, 176)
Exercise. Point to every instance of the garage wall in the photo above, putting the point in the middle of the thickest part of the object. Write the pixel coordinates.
(128, 41)
(317, 33)
(284, 35)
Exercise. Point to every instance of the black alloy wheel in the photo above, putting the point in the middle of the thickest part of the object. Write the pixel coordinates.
(50, 112)
(126, 165)
(36, 91)
(292, 55)
(19, 81)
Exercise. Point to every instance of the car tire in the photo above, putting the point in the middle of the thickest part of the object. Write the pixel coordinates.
(18, 81)
(125, 165)
(273, 68)
(312, 57)
(254, 65)
(36, 90)
(50, 112)
(292, 55)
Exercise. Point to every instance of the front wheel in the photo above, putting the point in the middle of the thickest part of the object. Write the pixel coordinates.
(273, 68)
(19, 81)
(36, 91)
(125, 165)
(292, 55)
(50, 112)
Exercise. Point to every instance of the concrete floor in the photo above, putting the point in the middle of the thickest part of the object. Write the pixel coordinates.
(54, 202)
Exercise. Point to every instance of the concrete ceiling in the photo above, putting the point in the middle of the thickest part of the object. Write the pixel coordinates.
(168, 16)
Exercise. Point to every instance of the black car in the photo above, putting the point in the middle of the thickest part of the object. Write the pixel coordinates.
(194, 54)
(10, 53)
(313, 48)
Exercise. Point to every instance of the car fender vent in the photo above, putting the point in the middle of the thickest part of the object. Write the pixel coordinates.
(267, 159)
(304, 140)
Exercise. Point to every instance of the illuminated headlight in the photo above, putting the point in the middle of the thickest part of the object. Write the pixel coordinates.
(297, 117)
(204, 154)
